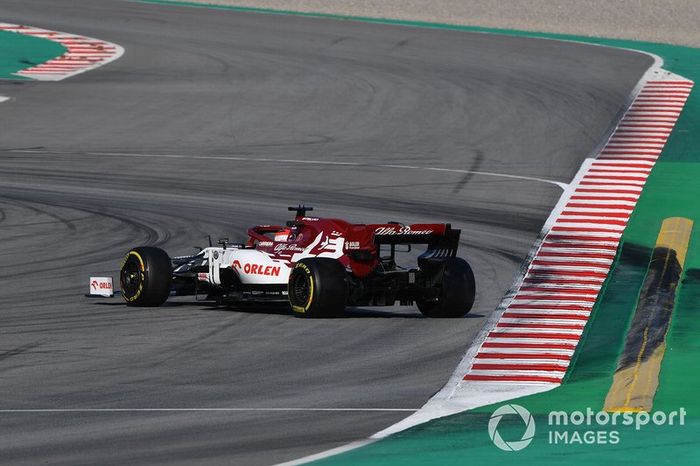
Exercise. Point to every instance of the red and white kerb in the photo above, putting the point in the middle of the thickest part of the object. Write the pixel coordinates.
(536, 336)
(83, 53)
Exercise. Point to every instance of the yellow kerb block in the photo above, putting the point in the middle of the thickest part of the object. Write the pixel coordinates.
(634, 386)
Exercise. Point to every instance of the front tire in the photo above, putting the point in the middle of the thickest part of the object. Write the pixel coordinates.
(457, 292)
(145, 277)
(318, 287)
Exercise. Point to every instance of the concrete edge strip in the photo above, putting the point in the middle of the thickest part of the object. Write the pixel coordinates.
(82, 53)
(332, 452)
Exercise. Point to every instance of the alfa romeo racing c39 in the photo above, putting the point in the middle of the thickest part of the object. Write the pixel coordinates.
(319, 266)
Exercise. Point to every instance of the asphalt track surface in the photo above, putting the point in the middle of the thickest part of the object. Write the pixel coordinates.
(83, 178)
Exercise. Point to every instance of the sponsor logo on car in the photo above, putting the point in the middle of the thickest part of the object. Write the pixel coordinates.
(101, 285)
(401, 230)
(258, 269)
(288, 247)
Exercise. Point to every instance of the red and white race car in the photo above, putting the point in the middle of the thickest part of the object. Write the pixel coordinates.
(319, 266)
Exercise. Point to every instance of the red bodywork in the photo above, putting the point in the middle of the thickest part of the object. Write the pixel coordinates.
(360, 241)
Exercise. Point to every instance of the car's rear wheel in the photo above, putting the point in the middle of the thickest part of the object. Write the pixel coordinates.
(457, 291)
(318, 287)
(145, 277)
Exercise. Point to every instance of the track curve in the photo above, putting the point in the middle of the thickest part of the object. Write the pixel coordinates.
(118, 157)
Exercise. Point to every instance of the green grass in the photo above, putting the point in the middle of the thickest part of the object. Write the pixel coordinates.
(19, 51)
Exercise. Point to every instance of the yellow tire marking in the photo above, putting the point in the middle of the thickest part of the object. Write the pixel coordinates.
(143, 277)
(303, 309)
(138, 256)
(311, 293)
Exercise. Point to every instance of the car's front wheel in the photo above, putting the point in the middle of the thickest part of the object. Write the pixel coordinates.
(145, 277)
(318, 287)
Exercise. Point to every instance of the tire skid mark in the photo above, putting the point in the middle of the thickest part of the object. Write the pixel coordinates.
(42, 207)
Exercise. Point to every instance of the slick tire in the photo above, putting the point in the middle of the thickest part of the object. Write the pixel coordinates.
(145, 277)
(318, 287)
(457, 292)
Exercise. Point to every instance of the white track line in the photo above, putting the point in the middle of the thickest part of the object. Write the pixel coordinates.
(177, 410)
(3, 99)
(561, 185)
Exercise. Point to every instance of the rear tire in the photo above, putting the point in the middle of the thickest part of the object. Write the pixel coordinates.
(318, 287)
(457, 292)
(145, 277)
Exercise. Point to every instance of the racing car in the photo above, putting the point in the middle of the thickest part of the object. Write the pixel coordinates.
(319, 266)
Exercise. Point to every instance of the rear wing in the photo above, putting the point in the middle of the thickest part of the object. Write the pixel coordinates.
(440, 237)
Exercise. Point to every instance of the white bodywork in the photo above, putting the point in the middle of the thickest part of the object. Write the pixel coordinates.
(251, 266)
(255, 267)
